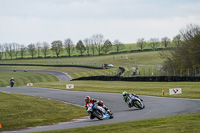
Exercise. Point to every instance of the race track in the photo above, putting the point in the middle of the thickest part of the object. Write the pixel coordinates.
(155, 106)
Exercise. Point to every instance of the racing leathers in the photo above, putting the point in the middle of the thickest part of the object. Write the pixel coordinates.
(128, 99)
(94, 101)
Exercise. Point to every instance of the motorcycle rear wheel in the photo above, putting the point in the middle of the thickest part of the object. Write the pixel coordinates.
(111, 114)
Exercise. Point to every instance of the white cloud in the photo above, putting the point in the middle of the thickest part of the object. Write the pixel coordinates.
(30, 21)
(126, 30)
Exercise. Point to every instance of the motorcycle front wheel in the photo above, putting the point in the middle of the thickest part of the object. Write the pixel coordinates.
(98, 114)
(139, 104)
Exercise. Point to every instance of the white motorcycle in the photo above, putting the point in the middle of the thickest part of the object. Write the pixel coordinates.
(99, 112)
(135, 101)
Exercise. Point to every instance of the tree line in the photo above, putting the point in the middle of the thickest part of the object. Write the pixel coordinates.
(154, 43)
(88, 46)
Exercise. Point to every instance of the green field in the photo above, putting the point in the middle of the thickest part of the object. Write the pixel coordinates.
(147, 62)
(22, 78)
(20, 111)
(144, 58)
(74, 72)
(187, 123)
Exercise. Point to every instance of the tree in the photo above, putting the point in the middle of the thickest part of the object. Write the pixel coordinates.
(153, 43)
(11, 50)
(141, 43)
(177, 39)
(186, 55)
(87, 43)
(80, 47)
(69, 46)
(92, 46)
(22, 50)
(38, 46)
(57, 47)
(107, 46)
(1, 51)
(32, 49)
(45, 48)
(98, 41)
(5, 45)
(118, 45)
(16, 49)
(165, 41)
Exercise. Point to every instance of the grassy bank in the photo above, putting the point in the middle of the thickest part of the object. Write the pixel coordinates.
(74, 72)
(145, 58)
(22, 78)
(189, 89)
(20, 111)
(147, 62)
(187, 123)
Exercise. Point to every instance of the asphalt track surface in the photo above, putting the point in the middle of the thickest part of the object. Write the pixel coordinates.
(59, 75)
(155, 106)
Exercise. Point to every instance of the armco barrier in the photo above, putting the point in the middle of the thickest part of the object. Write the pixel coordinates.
(143, 79)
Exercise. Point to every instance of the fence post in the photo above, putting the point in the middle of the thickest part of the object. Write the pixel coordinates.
(149, 72)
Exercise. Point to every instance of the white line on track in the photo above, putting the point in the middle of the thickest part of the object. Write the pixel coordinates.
(4, 91)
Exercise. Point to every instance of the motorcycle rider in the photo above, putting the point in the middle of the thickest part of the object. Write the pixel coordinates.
(127, 96)
(12, 81)
(91, 100)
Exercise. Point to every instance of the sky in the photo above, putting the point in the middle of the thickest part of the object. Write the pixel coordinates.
(32, 21)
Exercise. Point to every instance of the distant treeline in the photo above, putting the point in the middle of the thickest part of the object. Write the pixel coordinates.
(93, 46)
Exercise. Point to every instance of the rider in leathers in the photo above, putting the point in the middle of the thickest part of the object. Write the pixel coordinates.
(127, 98)
(12, 81)
(91, 100)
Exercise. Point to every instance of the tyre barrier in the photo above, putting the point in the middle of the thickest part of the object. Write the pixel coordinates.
(143, 79)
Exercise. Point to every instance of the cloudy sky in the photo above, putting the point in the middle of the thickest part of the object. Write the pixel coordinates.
(31, 21)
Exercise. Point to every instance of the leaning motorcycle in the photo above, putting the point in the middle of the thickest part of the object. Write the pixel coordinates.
(136, 102)
(99, 112)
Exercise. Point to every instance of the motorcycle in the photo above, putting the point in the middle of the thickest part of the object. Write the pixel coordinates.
(12, 82)
(136, 102)
(99, 112)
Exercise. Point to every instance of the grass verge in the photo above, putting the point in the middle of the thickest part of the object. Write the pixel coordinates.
(189, 89)
(145, 58)
(74, 72)
(22, 78)
(187, 123)
(21, 111)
